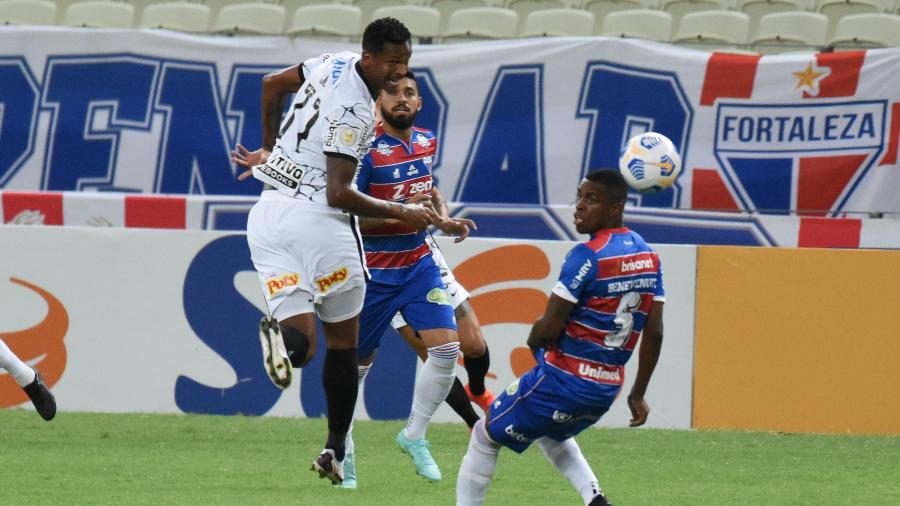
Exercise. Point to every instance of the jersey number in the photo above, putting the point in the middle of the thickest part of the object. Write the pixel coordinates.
(624, 320)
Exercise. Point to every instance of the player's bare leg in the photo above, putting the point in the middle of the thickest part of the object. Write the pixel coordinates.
(351, 480)
(567, 458)
(457, 399)
(340, 320)
(432, 386)
(476, 356)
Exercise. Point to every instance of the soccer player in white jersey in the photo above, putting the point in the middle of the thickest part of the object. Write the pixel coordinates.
(30, 381)
(303, 235)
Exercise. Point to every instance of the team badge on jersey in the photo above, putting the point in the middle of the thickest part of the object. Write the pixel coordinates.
(384, 148)
(423, 141)
(347, 136)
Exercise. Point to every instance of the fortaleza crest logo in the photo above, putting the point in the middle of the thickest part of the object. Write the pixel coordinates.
(42, 341)
(807, 155)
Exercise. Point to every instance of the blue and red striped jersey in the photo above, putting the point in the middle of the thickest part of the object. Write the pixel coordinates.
(396, 170)
(613, 280)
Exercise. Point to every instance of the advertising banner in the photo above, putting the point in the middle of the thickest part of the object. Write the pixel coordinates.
(517, 121)
(138, 320)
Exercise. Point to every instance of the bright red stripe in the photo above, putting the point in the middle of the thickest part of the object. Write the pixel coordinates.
(586, 369)
(40, 207)
(628, 265)
(155, 212)
(829, 233)
(603, 304)
(390, 259)
(390, 229)
(728, 76)
(579, 331)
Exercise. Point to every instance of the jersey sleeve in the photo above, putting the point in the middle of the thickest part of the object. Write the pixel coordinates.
(579, 268)
(660, 294)
(311, 64)
(364, 174)
(349, 123)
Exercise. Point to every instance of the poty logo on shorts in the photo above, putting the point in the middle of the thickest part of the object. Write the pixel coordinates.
(335, 278)
(438, 296)
(279, 283)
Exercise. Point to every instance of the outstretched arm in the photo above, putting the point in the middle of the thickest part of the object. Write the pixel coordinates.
(651, 344)
(276, 87)
(340, 169)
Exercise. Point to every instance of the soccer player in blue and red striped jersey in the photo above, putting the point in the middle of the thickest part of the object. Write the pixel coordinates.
(610, 291)
(404, 277)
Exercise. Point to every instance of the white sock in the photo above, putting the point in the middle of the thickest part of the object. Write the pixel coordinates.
(19, 370)
(432, 386)
(477, 468)
(361, 372)
(566, 457)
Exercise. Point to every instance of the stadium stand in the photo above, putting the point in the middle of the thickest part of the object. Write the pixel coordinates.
(180, 16)
(639, 24)
(600, 8)
(713, 30)
(326, 20)
(250, 18)
(27, 12)
(837, 9)
(423, 22)
(481, 23)
(756, 9)
(866, 31)
(679, 8)
(100, 14)
(558, 22)
(782, 32)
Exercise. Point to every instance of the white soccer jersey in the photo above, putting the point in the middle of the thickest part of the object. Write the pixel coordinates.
(333, 112)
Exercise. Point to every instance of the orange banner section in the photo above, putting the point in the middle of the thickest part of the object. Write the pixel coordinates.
(797, 340)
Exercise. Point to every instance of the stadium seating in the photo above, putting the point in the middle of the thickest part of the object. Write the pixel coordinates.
(448, 7)
(756, 9)
(250, 18)
(600, 8)
(328, 20)
(423, 22)
(180, 16)
(837, 9)
(27, 12)
(525, 7)
(713, 30)
(100, 14)
(867, 30)
(566, 22)
(639, 24)
(368, 7)
(679, 8)
(790, 31)
(481, 23)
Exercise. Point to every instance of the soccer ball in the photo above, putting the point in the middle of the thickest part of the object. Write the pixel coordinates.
(650, 163)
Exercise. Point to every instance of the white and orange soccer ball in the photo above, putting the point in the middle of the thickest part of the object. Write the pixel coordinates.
(650, 163)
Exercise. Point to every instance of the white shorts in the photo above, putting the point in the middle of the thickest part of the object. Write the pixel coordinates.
(306, 253)
(457, 293)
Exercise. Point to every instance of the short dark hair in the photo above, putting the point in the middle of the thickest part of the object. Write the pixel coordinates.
(385, 31)
(614, 186)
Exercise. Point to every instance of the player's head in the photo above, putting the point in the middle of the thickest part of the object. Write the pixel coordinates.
(601, 201)
(399, 104)
(387, 46)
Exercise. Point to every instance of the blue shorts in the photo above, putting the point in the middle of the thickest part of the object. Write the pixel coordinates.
(532, 407)
(422, 300)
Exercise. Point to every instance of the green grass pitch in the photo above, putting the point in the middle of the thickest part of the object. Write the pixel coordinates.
(82, 458)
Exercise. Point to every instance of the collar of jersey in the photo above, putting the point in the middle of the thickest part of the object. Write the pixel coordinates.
(365, 81)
